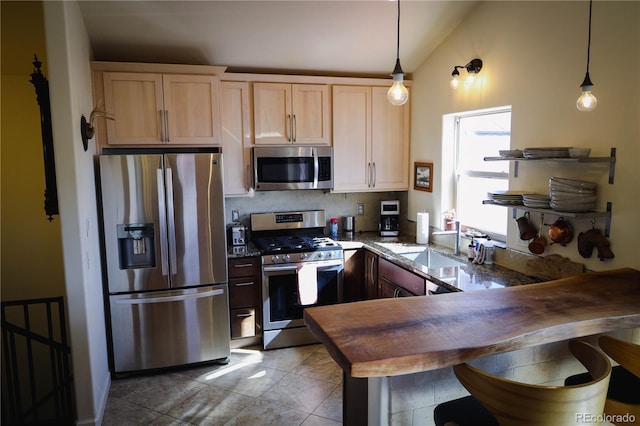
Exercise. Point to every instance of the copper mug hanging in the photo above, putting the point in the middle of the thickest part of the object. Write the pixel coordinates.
(526, 229)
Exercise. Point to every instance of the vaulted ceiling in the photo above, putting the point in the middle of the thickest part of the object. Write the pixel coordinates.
(355, 37)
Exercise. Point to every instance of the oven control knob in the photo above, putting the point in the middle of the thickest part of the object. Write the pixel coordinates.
(303, 256)
(275, 259)
(286, 258)
(329, 254)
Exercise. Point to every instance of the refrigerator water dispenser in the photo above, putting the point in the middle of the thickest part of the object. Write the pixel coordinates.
(136, 246)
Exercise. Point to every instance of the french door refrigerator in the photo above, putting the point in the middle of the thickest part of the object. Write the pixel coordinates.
(165, 259)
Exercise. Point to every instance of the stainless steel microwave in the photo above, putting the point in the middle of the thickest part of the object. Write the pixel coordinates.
(278, 168)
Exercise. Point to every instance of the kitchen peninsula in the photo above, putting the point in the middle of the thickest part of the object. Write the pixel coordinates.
(376, 339)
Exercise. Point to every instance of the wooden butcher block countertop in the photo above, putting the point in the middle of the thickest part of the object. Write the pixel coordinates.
(388, 337)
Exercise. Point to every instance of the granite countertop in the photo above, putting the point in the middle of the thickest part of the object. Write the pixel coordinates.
(467, 276)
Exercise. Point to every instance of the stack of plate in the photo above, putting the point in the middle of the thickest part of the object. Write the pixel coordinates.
(506, 197)
(537, 201)
(548, 152)
(570, 195)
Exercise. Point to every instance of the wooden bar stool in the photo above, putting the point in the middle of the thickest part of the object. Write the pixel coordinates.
(500, 401)
(623, 395)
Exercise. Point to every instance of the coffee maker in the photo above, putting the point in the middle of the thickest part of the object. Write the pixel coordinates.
(389, 218)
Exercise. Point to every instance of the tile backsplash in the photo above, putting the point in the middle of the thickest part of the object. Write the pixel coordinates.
(334, 205)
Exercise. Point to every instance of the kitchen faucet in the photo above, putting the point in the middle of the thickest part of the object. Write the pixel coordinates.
(456, 232)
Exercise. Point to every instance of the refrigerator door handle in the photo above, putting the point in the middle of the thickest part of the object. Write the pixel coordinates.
(163, 299)
(171, 222)
(162, 216)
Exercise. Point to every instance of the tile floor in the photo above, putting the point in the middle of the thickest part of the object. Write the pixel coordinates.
(291, 386)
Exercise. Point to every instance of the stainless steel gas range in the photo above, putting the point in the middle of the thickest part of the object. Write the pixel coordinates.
(301, 267)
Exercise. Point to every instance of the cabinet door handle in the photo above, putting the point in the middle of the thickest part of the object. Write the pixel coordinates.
(244, 284)
(243, 315)
(166, 123)
(161, 125)
(243, 265)
(294, 128)
(248, 178)
(290, 126)
(369, 179)
(374, 175)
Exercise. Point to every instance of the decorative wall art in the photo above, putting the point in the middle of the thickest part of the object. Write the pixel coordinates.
(423, 176)
(42, 95)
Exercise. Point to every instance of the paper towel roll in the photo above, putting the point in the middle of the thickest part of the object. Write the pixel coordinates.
(422, 228)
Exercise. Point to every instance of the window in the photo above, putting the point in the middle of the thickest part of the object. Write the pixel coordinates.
(477, 135)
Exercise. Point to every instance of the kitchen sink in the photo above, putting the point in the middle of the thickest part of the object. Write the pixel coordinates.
(432, 259)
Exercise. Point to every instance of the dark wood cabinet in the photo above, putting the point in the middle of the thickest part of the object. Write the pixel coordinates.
(395, 281)
(245, 300)
(387, 288)
(353, 284)
(370, 275)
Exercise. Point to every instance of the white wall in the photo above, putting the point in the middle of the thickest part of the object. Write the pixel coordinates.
(534, 56)
(70, 82)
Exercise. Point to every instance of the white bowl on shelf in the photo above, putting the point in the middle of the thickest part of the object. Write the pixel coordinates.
(579, 152)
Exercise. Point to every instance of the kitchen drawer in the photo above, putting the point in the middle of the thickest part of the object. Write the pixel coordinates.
(244, 292)
(244, 267)
(389, 289)
(401, 277)
(243, 323)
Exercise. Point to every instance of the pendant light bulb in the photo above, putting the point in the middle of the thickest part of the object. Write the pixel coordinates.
(587, 101)
(398, 94)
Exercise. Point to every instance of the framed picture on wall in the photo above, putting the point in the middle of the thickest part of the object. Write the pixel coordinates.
(423, 176)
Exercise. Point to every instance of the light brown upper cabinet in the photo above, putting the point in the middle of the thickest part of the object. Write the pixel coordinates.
(370, 141)
(160, 109)
(235, 116)
(291, 114)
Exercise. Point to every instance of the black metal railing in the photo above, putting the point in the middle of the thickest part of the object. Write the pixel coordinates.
(36, 379)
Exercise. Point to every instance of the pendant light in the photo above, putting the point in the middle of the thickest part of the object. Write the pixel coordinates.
(587, 102)
(398, 94)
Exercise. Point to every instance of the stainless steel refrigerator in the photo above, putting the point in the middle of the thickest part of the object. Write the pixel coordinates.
(165, 250)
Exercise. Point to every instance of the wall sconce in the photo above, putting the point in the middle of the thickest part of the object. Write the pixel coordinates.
(86, 127)
(472, 68)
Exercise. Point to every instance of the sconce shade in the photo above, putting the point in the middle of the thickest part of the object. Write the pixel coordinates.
(455, 78)
(473, 68)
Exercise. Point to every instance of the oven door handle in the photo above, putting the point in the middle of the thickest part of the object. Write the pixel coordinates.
(280, 268)
(321, 265)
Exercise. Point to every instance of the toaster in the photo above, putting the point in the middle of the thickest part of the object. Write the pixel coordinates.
(238, 234)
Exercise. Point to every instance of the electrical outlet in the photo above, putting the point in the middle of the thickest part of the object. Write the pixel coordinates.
(235, 215)
(360, 208)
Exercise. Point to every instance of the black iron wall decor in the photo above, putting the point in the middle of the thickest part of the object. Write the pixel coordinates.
(42, 95)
